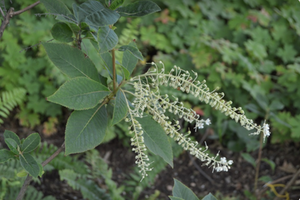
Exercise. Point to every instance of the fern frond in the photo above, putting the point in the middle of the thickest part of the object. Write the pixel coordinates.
(9, 100)
(88, 188)
(9, 169)
(130, 32)
(32, 193)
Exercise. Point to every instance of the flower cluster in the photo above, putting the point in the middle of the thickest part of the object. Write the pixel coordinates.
(148, 98)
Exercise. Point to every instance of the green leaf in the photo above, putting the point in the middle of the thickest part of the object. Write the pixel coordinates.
(138, 9)
(79, 13)
(107, 39)
(5, 155)
(107, 58)
(120, 108)
(79, 93)
(132, 48)
(129, 62)
(156, 139)
(12, 135)
(62, 32)
(287, 53)
(71, 61)
(30, 165)
(262, 100)
(182, 191)
(12, 145)
(265, 179)
(22, 173)
(31, 143)
(96, 15)
(276, 105)
(85, 129)
(279, 120)
(175, 198)
(209, 197)
(41, 170)
(58, 7)
(249, 158)
(115, 4)
(256, 49)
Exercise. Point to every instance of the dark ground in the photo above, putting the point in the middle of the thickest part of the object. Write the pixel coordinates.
(186, 169)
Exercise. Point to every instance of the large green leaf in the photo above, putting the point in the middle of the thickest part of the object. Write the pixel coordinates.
(5, 155)
(30, 165)
(209, 197)
(31, 143)
(62, 32)
(132, 48)
(12, 135)
(175, 198)
(129, 62)
(138, 9)
(95, 14)
(71, 61)
(79, 93)
(156, 139)
(85, 129)
(120, 109)
(79, 13)
(182, 191)
(58, 8)
(107, 39)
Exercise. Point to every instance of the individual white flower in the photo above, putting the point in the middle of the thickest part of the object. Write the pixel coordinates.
(266, 131)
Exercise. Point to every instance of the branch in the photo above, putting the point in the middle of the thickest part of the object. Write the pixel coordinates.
(11, 14)
(27, 8)
(29, 178)
(5, 22)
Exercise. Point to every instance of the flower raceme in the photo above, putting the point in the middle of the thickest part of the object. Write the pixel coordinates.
(148, 99)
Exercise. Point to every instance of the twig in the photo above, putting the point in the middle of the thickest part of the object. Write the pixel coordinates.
(2, 13)
(202, 172)
(11, 14)
(290, 183)
(26, 48)
(54, 155)
(29, 178)
(192, 161)
(273, 182)
(27, 8)
(5, 22)
(258, 162)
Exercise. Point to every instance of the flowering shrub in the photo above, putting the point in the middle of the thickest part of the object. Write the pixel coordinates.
(88, 92)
